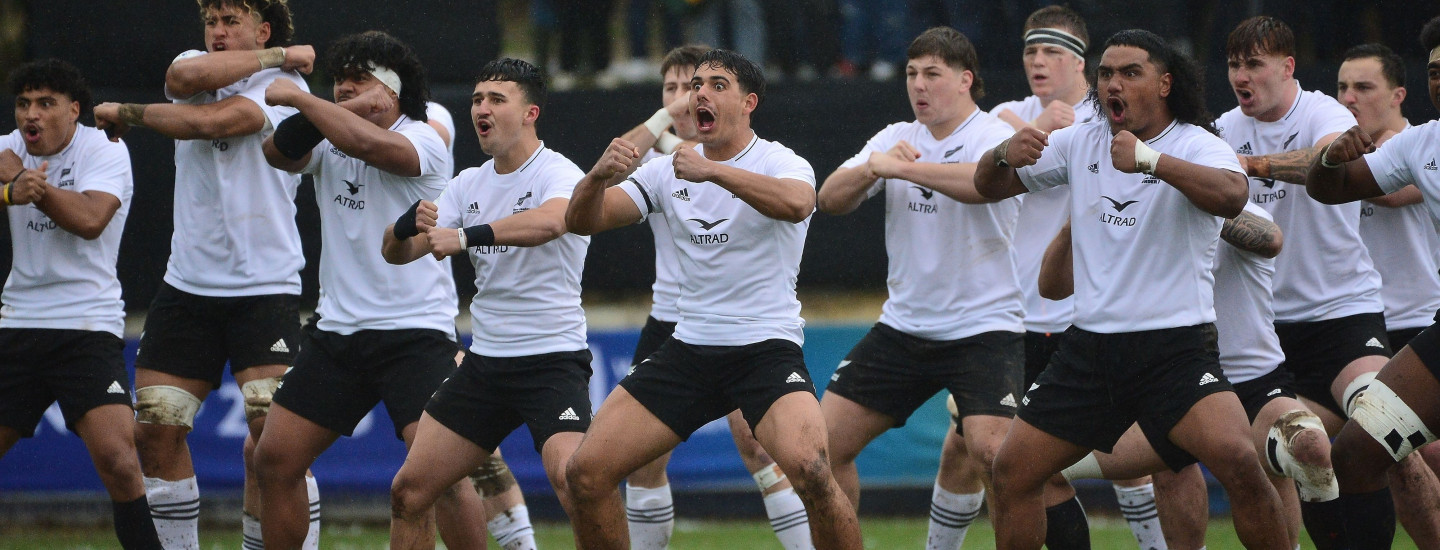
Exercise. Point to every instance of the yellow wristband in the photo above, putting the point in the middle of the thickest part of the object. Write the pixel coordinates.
(7, 195)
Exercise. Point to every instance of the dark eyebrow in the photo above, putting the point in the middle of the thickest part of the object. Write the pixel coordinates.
(1121, 69)
(491, 94)
(713, 78)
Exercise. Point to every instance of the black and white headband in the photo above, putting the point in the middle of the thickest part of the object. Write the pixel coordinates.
(1070, 42)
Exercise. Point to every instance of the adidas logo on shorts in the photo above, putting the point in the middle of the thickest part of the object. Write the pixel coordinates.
(795, 378)
(1208, 379)
(1374, 343)
(1275, 391)
(1008, 401)
(569, 414)
(115, 388)
(280, 347)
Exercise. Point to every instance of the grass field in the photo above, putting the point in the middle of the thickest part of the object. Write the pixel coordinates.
(880, 534)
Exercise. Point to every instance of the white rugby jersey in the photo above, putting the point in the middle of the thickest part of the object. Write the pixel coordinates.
(1143, 252)
(1042, 214)
(739, 267)
(59, 280)
(438, 113)
(235, 229)
(1325, 271)
(1409, 158)
(527, 299)
(1249, 347)
(666, 290)
(952, 268)
(1404, 246)
(359, 290)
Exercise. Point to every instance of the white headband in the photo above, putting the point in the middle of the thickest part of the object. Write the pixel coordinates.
(1434, 55)
(1050, 35)
(387, 77)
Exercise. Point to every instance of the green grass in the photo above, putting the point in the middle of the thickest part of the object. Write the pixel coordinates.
(1105, 533)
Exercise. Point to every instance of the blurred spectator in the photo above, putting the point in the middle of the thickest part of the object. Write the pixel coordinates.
(641, 66)
(731, 24)
(806, 37)
(584, 39)
(874, 33)
(544, 27)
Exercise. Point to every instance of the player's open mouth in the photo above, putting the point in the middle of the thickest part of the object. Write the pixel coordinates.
(31, 133)
(484, 127)
(704, 119)
(217, 47)
(921, 104)
(1246, 97)
(1039, 78)
(1117, 109)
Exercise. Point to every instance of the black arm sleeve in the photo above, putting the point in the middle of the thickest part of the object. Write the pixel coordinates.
(296, 136)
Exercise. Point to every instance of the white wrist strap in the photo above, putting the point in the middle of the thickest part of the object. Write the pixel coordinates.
(463, 244)
(659, 122)
(668, 142)
(1146, 159)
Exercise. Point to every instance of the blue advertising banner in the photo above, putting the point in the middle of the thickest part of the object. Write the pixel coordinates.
(56, 460)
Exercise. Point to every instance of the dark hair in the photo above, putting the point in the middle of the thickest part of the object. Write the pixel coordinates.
(350, 56)
(1390, 63)
(1261, 34)
(54, 75)
(684, 56)
(747, 73)
(528, 77)
(274, 12)
(1059, 17)
(1430, 35)
(1187, 83)
(952, 47)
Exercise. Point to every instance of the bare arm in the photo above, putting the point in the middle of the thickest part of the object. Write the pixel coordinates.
(86, 214)
(357, 137)
(1057, 268)
(1406, 196)
(229, 117)
(215, 70)
(956, 180)
(1253, 234)
(1290, 166)
(533, 227)
(1352, 179)
(996, 182)
(845, 189)
(596, 204)
(777, 198)
(1217, 191)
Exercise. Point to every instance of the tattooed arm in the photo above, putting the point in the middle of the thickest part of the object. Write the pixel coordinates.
(1290, 166)
(1253, 234)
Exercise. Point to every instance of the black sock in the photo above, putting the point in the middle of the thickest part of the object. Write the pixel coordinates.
(1325, 521)
(133, 525)
(1066, 527)
(1369, 520)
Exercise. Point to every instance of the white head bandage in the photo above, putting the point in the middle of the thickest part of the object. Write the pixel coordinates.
(1434, 55)
(1050, 35)
(387, 77)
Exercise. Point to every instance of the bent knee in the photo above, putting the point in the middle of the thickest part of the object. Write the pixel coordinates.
(585, 481)
(407, 500)
(810, 477)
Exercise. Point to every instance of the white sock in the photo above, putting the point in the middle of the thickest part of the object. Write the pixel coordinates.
(250, 533)
(1137, 504)
(788, 519)
(312, 538)
(950, 516)
(651, 514)
(175, 507)
(512, 530)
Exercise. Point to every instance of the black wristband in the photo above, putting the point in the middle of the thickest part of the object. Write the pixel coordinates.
(296, 136)
(479, 235)
(405, 224)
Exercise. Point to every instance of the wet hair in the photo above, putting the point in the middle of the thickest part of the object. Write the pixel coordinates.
(747, 73)
(54, 75)
(1430, 35)
(952, 47)
(1059, 17)
(1390, 63)
(528, 77)
(1260, 35)
(687, 56)
(353, 55)
(274, 12)
(1186, 101)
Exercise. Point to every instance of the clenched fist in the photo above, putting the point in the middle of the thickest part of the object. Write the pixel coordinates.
(1057, 115)
(887, 164)
(282, 92)
(617, 160)
(299, 58)
(1351, 145)
(691, 166)
(1023, 148)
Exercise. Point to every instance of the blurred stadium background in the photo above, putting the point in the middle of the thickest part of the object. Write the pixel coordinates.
(820, 111)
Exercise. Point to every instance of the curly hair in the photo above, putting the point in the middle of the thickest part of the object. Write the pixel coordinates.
(1430, 35)
(54, 75)
(356, 54)
(525, 75)
(1186, 101)
(952, 47)
(274, 12)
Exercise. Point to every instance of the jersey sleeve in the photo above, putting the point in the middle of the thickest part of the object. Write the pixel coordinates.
(317, 158)
(879, 143)
(991, 136)
(447, 205)
(437, 112)
(12, 142)
(434, 156)
(254, 90)
(1209, 150)
(1390, 164)
(643, 187)
(108, 171)
(560, 181)
(785, 164)
(1328, 117)
(183, 55)
(1052, 170)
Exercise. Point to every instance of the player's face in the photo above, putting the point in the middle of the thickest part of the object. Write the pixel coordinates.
(1432, 73)
(1132, 89)
(350, 85)
(1052, 70)
(233, 28)
(1259, 83)
(499, 110)
(1362, 88)
(676, 82)
(935, 89)
(46, 120)
(718, 103)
